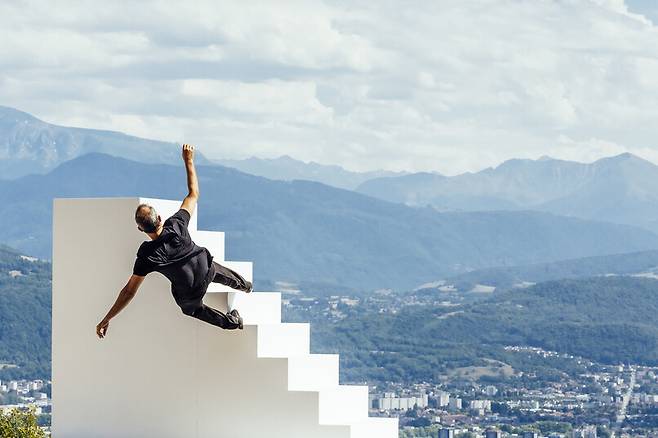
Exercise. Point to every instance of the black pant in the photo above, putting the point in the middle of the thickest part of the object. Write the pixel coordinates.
(196, 309)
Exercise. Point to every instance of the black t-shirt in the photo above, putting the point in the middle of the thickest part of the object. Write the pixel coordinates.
(176, 256)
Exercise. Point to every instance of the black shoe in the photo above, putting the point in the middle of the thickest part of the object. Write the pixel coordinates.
(249, 287)
(235, 313)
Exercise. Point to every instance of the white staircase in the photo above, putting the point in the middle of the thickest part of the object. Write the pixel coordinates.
(161, 374)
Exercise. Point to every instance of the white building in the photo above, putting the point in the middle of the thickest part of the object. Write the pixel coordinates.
(390, 402)
(442, 398)
(480, 404)
(455, 404)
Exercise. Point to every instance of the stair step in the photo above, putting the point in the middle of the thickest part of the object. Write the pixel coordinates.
(375, 427)
(344, 404)
(256, 307)
(283, 340)
(243, 268)
(213, 240)
(166, 208)
(313, 372)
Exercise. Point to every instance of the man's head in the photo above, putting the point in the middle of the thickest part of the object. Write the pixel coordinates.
(148, 220)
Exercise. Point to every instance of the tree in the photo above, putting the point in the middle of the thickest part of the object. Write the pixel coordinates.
(20, 424)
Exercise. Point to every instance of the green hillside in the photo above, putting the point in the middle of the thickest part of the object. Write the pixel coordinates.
(25, 315)
(606, 319)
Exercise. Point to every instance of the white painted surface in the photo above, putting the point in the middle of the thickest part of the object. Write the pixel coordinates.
(313, 372)
(344, 405)
(162, 374)
(256, 307)
(213, 240)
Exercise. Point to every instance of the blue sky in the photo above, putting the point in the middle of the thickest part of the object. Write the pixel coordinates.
(648, 8)
(451, 85)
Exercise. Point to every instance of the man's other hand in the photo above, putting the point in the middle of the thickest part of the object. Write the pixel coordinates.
(188, 153)
(101, 328)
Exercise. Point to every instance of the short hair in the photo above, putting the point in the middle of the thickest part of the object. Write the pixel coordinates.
(147, 218)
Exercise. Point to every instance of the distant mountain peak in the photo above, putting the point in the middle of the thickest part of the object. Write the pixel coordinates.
(9, 112)
(512, 162)
(31, 145)
(288, 158)
(288, 168)
(625, 157)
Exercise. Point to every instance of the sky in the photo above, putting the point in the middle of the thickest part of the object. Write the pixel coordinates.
(448, 86)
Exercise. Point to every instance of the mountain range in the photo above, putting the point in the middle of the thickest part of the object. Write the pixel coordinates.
(287, 168)
(29, 145)
(306, 231)
(316, 232)
(619, 189)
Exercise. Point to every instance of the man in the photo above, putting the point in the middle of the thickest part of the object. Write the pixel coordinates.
(189, 267)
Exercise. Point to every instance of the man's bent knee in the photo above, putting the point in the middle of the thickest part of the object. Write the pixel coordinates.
(190, 310)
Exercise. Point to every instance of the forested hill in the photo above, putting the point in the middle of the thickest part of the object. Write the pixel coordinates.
(25, 315)
(607, 319)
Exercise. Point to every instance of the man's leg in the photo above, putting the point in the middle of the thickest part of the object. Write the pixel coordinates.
(230, 278)
(212, 316)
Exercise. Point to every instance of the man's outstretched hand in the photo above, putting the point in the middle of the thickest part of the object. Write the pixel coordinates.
(101, 328)
(188, 153)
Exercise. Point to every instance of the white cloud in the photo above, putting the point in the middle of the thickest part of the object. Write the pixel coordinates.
(452, 86)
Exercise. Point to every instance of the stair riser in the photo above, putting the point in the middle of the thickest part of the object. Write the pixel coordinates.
(255, 308)
(344, 405)
(375, 428)
(283, 340)
(313, 372)
(212, 240)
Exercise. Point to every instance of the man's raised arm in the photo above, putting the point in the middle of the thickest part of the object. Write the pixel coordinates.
(189, 203)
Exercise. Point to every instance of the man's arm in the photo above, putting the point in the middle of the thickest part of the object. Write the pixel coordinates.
(189, 203)
(125, 296)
